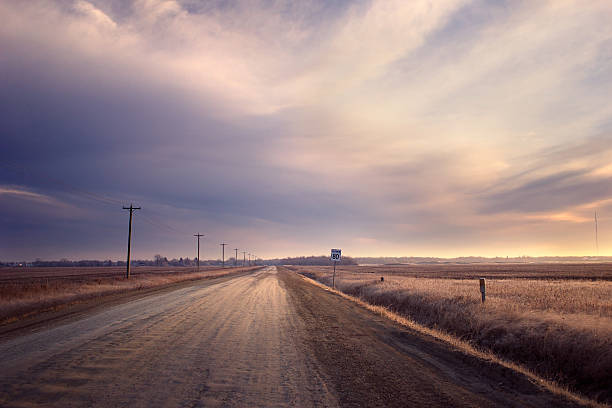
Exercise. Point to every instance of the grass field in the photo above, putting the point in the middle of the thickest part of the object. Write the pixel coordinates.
(25, 291)
(554, 319)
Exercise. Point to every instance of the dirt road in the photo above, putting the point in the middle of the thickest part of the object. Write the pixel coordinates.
(268, 339)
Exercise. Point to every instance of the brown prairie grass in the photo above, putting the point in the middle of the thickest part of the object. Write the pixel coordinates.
(577, 271)
(24, 297)
(559, 328)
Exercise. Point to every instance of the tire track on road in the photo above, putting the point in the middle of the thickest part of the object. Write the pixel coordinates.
(234, 343)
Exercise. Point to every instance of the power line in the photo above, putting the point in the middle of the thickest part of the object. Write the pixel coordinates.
(75, 190)
(104, 199)
(147, 216)
(160, 224)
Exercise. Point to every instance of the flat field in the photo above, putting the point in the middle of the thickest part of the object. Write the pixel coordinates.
(577, 271)
(27, 291)
(15, 274)
(555, 319)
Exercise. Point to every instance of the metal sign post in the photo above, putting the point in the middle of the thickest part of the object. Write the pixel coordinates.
(336, 255)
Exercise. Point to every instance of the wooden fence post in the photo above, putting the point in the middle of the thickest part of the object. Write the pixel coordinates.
(483, 288)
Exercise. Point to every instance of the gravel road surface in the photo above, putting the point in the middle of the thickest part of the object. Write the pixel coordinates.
(266, 339)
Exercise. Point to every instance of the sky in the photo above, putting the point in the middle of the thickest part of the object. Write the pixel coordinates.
(286, 128)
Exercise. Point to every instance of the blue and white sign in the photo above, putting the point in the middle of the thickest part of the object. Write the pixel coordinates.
(336, 254)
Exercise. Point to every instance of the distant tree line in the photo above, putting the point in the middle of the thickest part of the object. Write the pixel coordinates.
(321, 260)
(158, 260)
(477, 259)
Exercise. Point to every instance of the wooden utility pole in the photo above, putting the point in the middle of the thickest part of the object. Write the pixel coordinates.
(236, 257)
(243, 258)
(131, 208)
(198, 235)
(223, 256)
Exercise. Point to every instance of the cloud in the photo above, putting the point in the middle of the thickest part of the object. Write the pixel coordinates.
(235, 54)
(94, 17)
(20, 193)
(414, 124)
(23, 209)
(555, 178)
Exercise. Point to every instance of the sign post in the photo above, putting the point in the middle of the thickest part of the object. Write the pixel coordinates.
(336, 255)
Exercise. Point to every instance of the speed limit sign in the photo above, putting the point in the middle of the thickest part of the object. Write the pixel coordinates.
(336, 254)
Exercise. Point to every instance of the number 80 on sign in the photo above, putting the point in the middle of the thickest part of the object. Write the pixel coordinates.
(336, 254)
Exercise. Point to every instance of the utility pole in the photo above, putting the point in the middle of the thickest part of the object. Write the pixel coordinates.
(198, 235)
(223, 251)
(243, 258)
(131, 208)
(236, 257)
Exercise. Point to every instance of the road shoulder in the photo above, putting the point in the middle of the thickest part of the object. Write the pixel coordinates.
(70, 312)
(373, 361)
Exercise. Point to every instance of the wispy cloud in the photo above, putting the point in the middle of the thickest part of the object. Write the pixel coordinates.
(448, 127)
(24, 194)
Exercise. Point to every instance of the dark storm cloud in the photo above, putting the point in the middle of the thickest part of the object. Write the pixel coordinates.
(553, 192)
(547, 185)
(142, 142)
(294, 125)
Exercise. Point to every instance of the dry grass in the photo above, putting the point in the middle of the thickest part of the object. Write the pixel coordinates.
(585, 271)
(467, 348)
(25, 296)
(559, 328)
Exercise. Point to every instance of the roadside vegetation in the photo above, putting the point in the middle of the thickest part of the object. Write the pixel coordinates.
(557, 325)
(35, 290)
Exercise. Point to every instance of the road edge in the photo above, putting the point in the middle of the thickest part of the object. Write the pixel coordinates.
(74, 310)
(460, 345)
